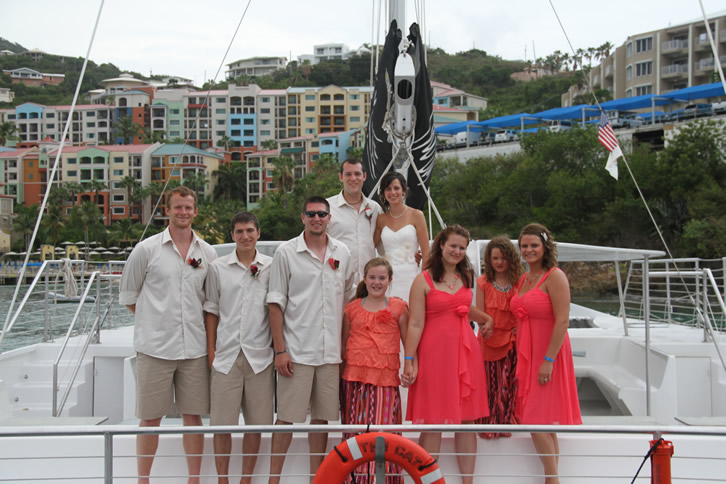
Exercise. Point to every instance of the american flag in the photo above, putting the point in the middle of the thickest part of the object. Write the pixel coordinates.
(605, 134)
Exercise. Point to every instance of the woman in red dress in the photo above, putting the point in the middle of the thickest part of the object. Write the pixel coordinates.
(495, 288)
(547, 391)
(443, 363)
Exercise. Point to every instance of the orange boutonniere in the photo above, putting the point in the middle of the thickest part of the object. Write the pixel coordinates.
(195, 263)
(334, 263)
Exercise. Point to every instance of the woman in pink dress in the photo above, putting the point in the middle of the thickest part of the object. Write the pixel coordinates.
(373, 326)
(443, 364)
(547, 391)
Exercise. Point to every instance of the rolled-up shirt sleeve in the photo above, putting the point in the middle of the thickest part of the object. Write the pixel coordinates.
(133, 276)
(279, 280)
(212, 290)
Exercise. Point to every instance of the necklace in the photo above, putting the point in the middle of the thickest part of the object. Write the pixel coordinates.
(499, 288)
(452, 284)
(399, 215)
(531, 279)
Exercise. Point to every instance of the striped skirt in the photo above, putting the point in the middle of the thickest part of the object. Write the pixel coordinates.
(363, 403)
(502, 388)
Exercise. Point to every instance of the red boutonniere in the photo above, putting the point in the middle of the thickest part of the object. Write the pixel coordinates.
(368, 211)
(195, 263)
(334, 263)
(255, 271)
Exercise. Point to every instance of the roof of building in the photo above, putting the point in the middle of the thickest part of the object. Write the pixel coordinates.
(182, 149)
(15, 152)
(273, 92)
(110, 148)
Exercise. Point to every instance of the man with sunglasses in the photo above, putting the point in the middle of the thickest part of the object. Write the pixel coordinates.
(311, 280)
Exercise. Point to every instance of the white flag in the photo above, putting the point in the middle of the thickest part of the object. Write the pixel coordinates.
(612, 165)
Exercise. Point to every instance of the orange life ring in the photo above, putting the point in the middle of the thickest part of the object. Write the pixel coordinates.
(360, 449)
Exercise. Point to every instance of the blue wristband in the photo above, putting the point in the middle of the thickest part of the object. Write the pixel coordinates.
(551, 360)
(408, 358)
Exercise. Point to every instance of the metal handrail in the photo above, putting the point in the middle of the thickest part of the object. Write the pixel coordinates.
(720, 300)
(68, 336)
(110, 432)
(10, 325)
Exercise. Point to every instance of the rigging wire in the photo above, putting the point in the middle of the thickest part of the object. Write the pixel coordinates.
(701, 317)
(198, 117)
(53, 172)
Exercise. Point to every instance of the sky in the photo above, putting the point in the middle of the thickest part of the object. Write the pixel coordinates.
(190, 38)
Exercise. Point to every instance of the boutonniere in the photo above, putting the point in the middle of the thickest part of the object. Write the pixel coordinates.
(195, 263)
(334, 263)
(255, 271)
(368, 212)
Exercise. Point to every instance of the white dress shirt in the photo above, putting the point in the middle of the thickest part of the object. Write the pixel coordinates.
(168, 293)
(354, 228)
(238, 298)
(311, 294)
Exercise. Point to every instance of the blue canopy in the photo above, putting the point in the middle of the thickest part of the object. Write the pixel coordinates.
(571, 112)
(454, 128)
(695, 92)
(506, 121)
(635, 102)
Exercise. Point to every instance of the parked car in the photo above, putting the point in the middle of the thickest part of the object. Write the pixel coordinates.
(505, 136)
(557, 126)
(692, 111)
(719, 107)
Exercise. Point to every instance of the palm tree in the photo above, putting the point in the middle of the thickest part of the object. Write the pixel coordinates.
(269, 144)
(150, 137)
(196, 181)
(88, 216)
(231, 181)
(127, 129)
(53, 223)
(131, 185)
(124, 230)
(224, 141)
(24, 222)
(283, 176)
(7, 132)
(73, 189)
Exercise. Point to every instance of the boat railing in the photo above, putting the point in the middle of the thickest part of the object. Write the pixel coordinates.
(92, 335)
(679, 291)
(615, 455)
(45, 309)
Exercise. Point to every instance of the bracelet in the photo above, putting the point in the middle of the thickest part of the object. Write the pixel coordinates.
(551, 360)
(280, 352)
(408, 358)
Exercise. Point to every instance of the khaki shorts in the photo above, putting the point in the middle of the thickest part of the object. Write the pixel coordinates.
(314, 387)
(160, 383)
(242, 388)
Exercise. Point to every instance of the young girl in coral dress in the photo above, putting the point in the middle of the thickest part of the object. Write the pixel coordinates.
(502, 270)
(373, 326)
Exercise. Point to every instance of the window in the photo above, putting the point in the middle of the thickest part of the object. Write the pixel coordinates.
(221, 122)
(268, 173)
(310, 97)
(175, 134)
(175, 172)
(643, 90)
(265, 132)
(220, 110)
(90, 125)
(71, 161)
(50, 126)
(248, 122)
(355, 119)
(309, 109)
(644, 45)
(220, 100)
(354, 97)
(325, 97)
(249, 132)
(119, 198)
(309, 120)
(265, 122)
(644, 69)
(72, 173)
(119, 210)
(629, 49)
(270, 185)
(264, 110)
(338, 97)
(355, 108)
(118, 159)
(174, 111)
(235, 132)
(174, 122)
(118, 173)
(90, 114)
(50, 115)
(219, 133)
(30, 164)
(235, 122)
(264, 99)
(117, 185)
(629, 73)
(309, 130)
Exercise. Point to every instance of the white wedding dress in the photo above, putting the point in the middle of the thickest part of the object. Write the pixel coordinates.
(400, 249)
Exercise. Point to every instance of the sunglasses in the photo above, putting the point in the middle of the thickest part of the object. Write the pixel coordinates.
(313, 213)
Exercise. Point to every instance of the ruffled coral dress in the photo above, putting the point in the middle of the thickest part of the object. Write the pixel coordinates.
(369, 392)
(451, 384)
(556, 401)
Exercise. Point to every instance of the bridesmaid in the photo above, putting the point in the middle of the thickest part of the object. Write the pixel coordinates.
(547, 393)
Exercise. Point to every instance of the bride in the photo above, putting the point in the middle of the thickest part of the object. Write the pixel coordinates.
(401, 231)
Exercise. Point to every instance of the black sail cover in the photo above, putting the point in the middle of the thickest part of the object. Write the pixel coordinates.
(378, 150)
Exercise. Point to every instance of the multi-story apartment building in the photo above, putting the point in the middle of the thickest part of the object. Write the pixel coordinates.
(331, 52)
(330, 109)
(31, 77)
(91, 123)
(272, 114)
(255, 66)
(659, 61)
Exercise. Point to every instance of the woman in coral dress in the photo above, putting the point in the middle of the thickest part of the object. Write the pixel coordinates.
(443, 363)
(547, 390)
(495, 288)
(373, 326)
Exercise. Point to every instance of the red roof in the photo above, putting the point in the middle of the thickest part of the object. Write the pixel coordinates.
(14, 154)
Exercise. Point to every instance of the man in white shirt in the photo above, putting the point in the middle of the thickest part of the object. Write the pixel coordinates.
(163, 285)
(353, 216)
(240, 344)
(312, 279)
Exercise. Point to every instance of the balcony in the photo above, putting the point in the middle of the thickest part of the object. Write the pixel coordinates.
(722, 36)
(675, 46)
(608, 71)
(702, 42)
(675, 70)
(704, 66)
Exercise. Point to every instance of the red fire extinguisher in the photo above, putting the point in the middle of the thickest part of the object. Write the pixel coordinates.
(660, 461)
